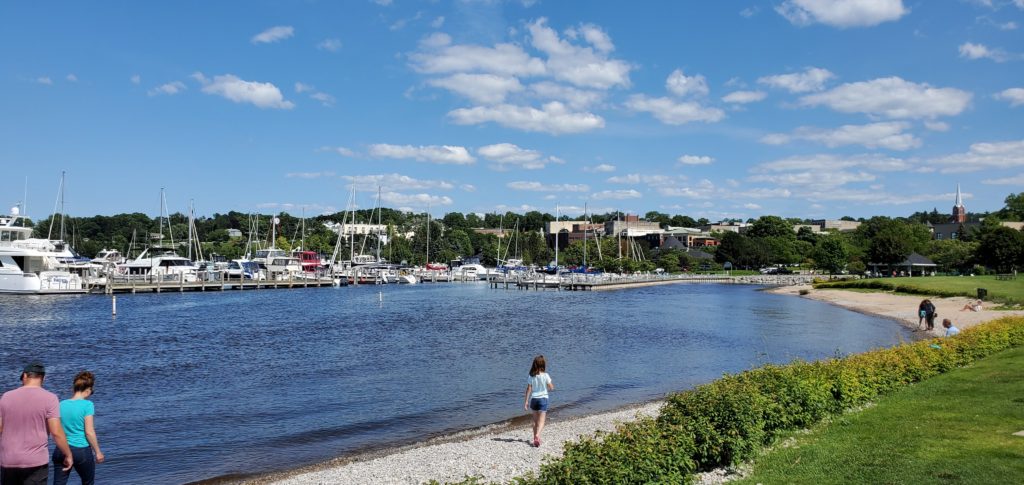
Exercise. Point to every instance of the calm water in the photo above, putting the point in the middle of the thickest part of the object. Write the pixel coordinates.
(197, 385)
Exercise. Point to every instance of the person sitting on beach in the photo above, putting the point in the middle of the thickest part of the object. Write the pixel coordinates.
(974, 306)
(536, 399)
(950, 329)
(76, 416)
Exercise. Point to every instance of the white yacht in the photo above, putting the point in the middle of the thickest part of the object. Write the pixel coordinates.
(30, 265)
(160, 262)
(278, 264)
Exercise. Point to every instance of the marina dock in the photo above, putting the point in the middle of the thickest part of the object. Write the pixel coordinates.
(212, 282)
(590, 282)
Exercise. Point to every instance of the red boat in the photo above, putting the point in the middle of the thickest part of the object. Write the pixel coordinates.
(309, 260)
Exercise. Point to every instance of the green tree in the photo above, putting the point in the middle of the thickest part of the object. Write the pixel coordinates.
(890, 246)
(669, 261)
(1014, 210)
(952, 254)
(771, 226)
(831, 254)
(1002, 249)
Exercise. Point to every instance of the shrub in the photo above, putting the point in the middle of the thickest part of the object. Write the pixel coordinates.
(726, 421)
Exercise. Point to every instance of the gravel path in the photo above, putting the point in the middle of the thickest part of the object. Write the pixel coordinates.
(498, 455)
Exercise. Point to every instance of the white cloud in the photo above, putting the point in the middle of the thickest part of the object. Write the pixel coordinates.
(936, 125)
(136, 79)
(1014, 95)
(749, 12)
(874, 162)
(674, 112)
(1017, 180)
(479, 88)
(751, 206)
(394, 181)
(873, 196)
(980, 51)
(72, 78)
(680, 84)
(324, 98)
(273, 34)
(695, 160)
(506, 154)
(892, 97)
(811, 79)
(552, 118)
(383, 3)
(651, 180)
(170, 89)
(1008, 26)
(582, 66)
(437, 23)
(309, 175)
(44, 80)
(345, 152)
(816, 179)
(540, 187)
(616, 195)
(414, 200)
(330, 45)
(841, 13)
(262, 95)
(438, 56)
(988, 155)
(603, 167)
(301, 88)
(432, 153)
(468, 187)
(743, 97)
(888, 135)
(573, 97)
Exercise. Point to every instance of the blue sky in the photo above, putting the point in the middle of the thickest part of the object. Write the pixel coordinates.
(799, 108)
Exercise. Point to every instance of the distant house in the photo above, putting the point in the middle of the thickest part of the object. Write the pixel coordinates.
(836, 225)
(233, 233)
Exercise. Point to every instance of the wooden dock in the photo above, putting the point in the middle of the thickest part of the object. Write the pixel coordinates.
(167, 284)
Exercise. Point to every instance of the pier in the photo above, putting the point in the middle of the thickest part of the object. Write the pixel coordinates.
(208, 281)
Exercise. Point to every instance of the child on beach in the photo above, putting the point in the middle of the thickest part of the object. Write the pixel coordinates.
(950, 329)
(536, 399)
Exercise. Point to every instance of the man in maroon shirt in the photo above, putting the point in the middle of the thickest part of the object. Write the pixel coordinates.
(26, 415)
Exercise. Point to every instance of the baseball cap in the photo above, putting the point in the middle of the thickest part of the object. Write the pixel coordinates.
(34, 368)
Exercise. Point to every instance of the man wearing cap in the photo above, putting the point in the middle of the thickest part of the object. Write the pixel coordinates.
(26, 414)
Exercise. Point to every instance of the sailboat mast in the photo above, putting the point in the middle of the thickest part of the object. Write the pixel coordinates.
(428, 236)
(557, 233)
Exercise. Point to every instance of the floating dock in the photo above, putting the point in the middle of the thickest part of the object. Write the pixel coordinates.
(145, 284)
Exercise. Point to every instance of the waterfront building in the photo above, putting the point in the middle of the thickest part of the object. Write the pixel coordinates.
(630, 225)
(836, 225)
(731, 226)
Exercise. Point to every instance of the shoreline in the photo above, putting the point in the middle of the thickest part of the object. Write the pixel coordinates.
(500, 451)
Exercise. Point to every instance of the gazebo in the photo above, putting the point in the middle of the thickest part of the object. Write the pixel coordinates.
(914, 262)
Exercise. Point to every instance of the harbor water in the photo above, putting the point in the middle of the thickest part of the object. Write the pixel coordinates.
(199, 385)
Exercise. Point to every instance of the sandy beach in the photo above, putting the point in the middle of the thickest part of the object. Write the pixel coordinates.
(503, 452)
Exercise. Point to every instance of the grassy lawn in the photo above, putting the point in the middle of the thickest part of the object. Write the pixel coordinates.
(1011, 291)
(953, 428)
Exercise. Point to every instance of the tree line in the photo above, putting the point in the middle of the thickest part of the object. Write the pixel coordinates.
(769, 240)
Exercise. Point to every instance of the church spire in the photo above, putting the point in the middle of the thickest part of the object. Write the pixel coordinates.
(959, 211)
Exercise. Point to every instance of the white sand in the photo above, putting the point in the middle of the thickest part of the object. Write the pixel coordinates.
(497, 456)
(503, 453)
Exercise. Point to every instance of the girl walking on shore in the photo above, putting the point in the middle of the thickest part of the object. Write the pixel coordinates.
(76, 416)
(536, 399)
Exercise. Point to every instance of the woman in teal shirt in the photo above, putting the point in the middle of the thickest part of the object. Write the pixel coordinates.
(76, 416)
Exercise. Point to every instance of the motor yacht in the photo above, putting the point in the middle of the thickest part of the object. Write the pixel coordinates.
(30, 265)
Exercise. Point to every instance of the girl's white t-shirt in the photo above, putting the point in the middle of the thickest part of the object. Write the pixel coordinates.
(539, 385)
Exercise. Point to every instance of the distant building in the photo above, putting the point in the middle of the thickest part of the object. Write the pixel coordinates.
(356, 229)
(958, 225)
(737, 227)
(681, 237)
(234, 233)
(836, 225)
(496, 232)
(813, 227)
(630, 226)
(555, 227)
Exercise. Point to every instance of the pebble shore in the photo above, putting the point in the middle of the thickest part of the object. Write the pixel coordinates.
(497, 456)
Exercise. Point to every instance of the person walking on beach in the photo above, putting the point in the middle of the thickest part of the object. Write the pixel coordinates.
(76, 417)
(929, 314)
(26, 415)
(536, 399)
(950, 329)
(921, 312)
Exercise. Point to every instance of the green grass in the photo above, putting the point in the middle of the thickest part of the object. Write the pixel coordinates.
(1003, 291)
(953, 428)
